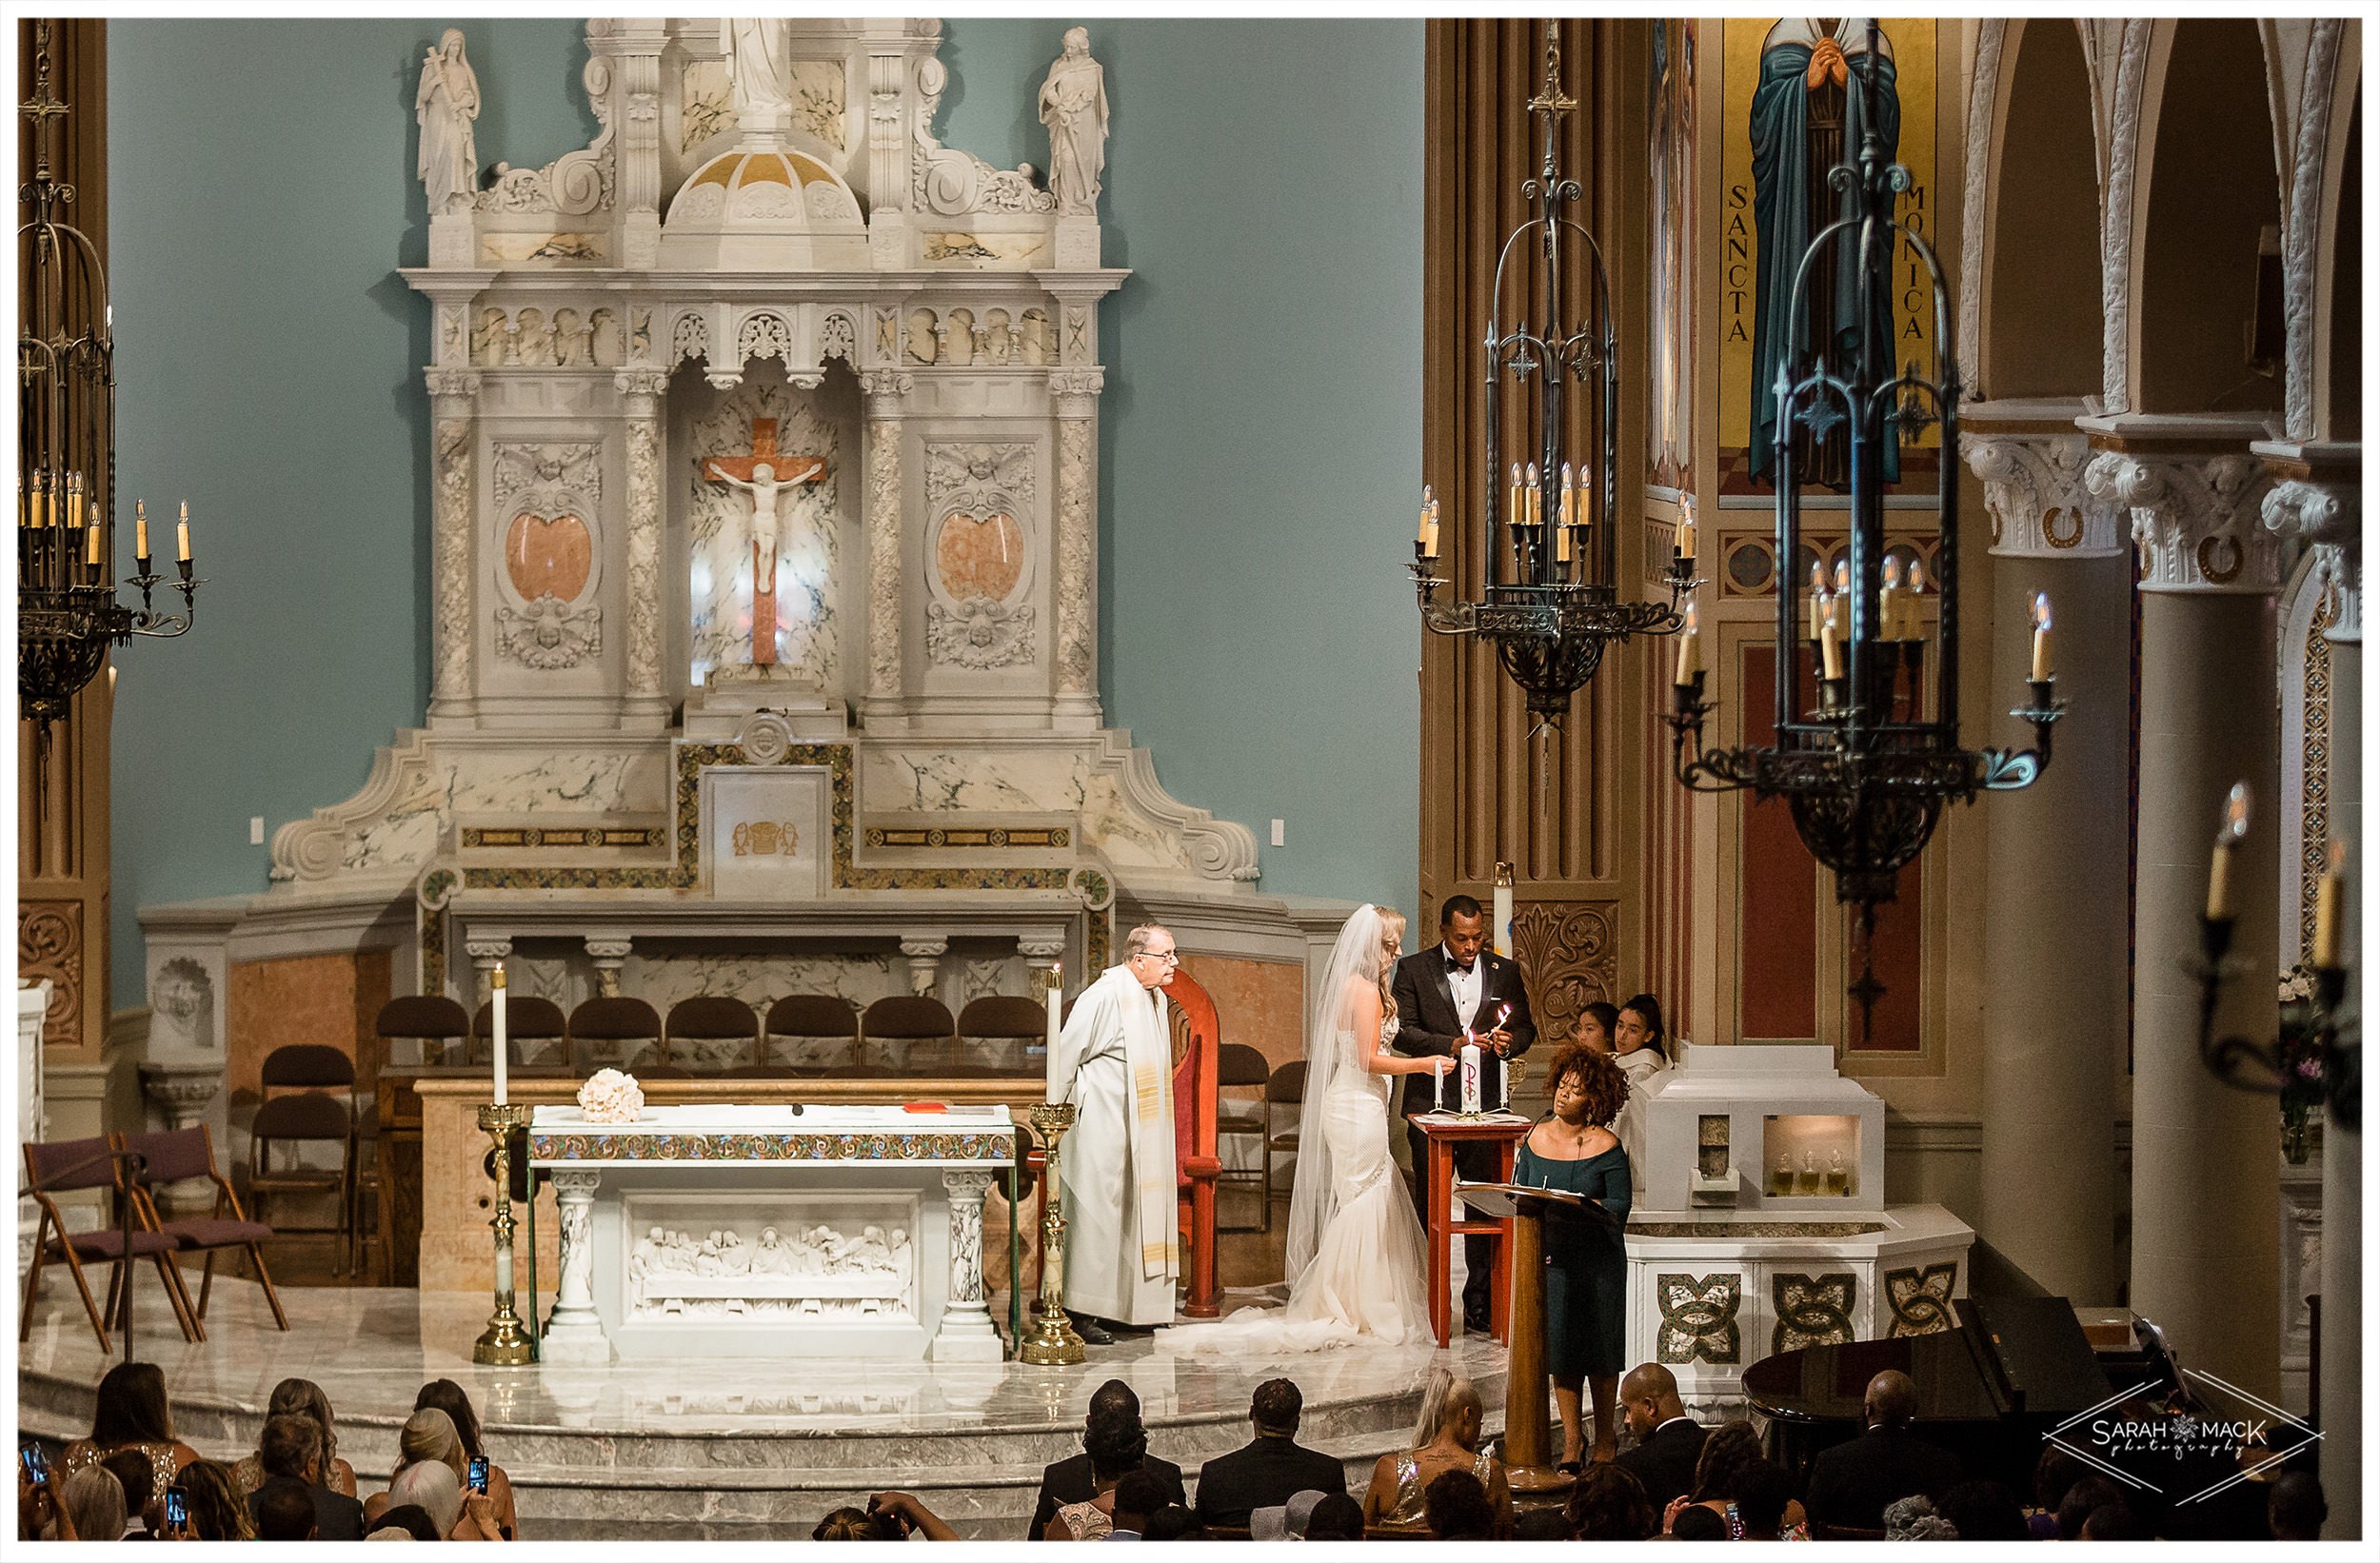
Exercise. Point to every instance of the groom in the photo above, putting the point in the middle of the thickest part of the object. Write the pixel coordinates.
(1453, 988)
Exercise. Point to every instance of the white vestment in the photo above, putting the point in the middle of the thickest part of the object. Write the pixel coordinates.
(1116, 1173)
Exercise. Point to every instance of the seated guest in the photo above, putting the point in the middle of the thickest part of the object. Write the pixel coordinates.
(849, 1524)
(1271, 1465)
(2115, 1522)
(2086, 1495)
(292, 1450)
(1913, 1519)
(1337, 1517)
(1668, 1442)
(2296, 1508)
(92, 1501)
(1445, 1437)
(1985, 1510)
(907, 1514)
(1696, 1523)
(1608, 1503)
(427, 1436)
(1174, 1523)
(446, 1396)
(285, 1511)
(301, 1398)
(218, 1503)
(410, 1520)
(2054, 1475)
(1070, 1480)
(1574, 1149)
(1455, 1505)
(1731, 1463)
(460, 1513)
(1286, 1521)
(130, 1411)
(1135, 1498)
(1851, 1483)
(1118, 1445)
(1764, 1508)
(144, 1517)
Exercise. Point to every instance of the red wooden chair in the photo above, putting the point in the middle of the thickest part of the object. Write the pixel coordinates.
(1198, 1043)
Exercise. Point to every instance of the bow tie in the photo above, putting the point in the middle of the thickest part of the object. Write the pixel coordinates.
(1452, 967)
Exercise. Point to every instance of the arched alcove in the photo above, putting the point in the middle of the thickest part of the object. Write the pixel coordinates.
(2212, 208)
(2343, 389)
(2042, 313)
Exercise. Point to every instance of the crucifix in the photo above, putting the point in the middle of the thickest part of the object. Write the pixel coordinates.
(763, 475)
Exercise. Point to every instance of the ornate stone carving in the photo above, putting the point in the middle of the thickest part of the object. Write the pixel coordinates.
(1076, 560)
(569, 472)
(573, 183)
(924, 955)
(1568, 957)
(1920, 1298)
(2301, 243)
(182, 993)
(450, 456)
(574, 1322)
(985, 485)
(838, 337)
(1812, 1310)
(643, 388)
(50, 943)
(549, 634)
(181, 1091)
(485, 953)
(977, 634)
(764, 334)
(2115, 206)
(2032, 484)
(1073, 104)
(885, 390)
(1982, 100)
(690, 337)
(1698, 1318)
(1218, 849)
(949, 182)
(2192, 519)
(884, 427)
(818, 1272)
(2329, 517)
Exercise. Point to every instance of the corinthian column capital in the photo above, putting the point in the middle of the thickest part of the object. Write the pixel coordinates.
(2194, 518)
(2032, 484)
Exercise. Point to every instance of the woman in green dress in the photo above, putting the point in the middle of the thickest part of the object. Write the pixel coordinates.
(1586, 1260)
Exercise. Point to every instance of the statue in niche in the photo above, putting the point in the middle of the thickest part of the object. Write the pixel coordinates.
(758, 475)
(536, 344)
(568, 339)
(759, 70)
(1074, 105)
(445, 105)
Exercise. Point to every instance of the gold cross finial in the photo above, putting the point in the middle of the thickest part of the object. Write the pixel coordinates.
(1551, 98)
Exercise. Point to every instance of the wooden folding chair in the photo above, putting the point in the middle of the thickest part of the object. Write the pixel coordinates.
(69, 1166)
(172, 1156)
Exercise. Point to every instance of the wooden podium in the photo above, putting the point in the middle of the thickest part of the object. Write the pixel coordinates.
(1528, 1436)
(1444, 1132)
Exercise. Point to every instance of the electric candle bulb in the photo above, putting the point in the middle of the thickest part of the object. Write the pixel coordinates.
(182, 534)
(140, 530)
(1690, 648)
(1514, 514)
(1842, 576)
(1429, 536)
(2226, 839)
(96, 537)
(1570, 496)
(2040, 636)
(1888, 601)
(2329, 892)
(1685, 526)
(1910, 612)
(1536, 497)
(1421, 529)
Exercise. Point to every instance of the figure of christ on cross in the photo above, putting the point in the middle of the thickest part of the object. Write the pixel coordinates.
(763, 474)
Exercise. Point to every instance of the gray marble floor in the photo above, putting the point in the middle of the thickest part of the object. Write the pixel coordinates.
(717, 1445)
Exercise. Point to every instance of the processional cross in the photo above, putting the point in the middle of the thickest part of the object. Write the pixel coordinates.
(763, 475)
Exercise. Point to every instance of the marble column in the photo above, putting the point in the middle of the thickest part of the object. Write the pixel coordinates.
(609, 956)
(641, 392)
(2206, 1156)
(453, 395)
(967, 1334)
(1074, 398)
(574, 1332)
(2055, 876)
(924, 955)
(2319, 498)
(888, 399)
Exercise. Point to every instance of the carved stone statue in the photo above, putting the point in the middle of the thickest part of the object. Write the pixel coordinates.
(759, 67)
(1074, 105)
(445, 105)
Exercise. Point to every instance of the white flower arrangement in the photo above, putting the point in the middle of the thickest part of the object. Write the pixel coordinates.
(611, 1096)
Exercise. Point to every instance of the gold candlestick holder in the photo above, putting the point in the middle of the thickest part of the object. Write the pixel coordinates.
(1053, 1343)
(504, 1344)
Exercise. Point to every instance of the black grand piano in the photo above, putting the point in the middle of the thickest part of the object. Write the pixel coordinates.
(1993, 1389)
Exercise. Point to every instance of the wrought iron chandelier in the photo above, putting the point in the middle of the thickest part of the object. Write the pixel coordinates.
(1867, 771)
(67, 613)
(1549, 564)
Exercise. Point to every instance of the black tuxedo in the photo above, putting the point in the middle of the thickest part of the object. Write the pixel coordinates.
(1665, 1462)
(1428, 1025)
(1264, 1473)
(1071, 1481)
(1851, 1483)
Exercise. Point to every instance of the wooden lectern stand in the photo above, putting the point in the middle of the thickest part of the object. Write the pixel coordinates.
(1528, 1442)
(1445, 1131)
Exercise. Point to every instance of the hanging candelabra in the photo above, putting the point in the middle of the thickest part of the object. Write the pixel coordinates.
(1866, 770)
(1549, 598)
(67, 614)
(2317, 1058)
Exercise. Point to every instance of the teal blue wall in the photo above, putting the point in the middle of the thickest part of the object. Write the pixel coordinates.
(1258, 446)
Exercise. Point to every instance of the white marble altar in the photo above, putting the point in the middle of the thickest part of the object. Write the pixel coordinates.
(768, 1230)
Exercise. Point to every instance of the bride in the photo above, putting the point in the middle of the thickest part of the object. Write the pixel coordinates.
(1355, 1249)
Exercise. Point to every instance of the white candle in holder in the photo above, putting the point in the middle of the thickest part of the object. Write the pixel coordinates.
(1469, 1076)
(497, 980)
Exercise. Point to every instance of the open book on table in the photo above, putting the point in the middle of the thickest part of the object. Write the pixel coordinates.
(1500, 1201)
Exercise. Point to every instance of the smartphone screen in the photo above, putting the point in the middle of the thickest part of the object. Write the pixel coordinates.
(178, 1507)
(479, 1474)
(36, 1464)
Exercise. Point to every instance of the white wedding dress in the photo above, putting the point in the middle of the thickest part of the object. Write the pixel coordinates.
(1367, 1276)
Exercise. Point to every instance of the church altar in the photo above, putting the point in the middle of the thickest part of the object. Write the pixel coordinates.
(756, 1230)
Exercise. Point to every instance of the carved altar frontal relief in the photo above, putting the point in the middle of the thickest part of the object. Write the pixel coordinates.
(777, 1257)
(723, 436)
(766, 831)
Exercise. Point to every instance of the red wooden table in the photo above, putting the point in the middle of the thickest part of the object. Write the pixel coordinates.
(1445, 1131)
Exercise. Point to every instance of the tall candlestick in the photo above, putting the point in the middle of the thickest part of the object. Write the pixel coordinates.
(1049, 996)
(1502, 931)
(182, 534)
(502, 1050)
(2329, 890)
(1689, 649)
(2040, 636)
(2226, 839)
(140, 527)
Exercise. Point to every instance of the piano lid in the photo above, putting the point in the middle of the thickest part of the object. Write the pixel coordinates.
(2018, 1354)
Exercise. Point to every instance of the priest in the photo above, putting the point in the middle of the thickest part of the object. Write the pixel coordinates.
(1116, 1177)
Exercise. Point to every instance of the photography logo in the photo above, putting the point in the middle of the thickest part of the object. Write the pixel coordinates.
(2229, 1431)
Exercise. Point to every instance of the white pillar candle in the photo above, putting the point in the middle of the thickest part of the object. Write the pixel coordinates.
(1049, 995)
(1469, 1076)
(1501, 931)
(497, 980)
